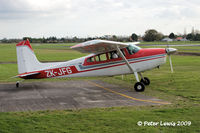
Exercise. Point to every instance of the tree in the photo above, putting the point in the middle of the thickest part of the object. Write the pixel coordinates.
(152, 35)
(114, 37)
(197, 37)
(134, 37)
(159, 36)
(44, 40)
(171, 35)
(4, 40)
(190, 36)
(29, 38)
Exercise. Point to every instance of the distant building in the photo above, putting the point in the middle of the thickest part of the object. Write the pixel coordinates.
(181, 39)
(184, 39)
(166, 39)
(140, 39)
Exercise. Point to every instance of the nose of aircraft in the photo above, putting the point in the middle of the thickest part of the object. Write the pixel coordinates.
(170, 50)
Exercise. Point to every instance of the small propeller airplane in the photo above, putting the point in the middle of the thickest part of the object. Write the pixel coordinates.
(108, 58)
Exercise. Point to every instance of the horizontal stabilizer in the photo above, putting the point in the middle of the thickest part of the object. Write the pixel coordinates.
(23, 75)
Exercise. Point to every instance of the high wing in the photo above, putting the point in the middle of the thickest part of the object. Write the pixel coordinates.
(99, 46)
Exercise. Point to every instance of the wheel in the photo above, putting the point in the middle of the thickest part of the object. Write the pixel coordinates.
(145, 81)
(17, 84)
(139, 87)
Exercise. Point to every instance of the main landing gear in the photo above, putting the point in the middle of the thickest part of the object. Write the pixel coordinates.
(140, 86)
(145, 81)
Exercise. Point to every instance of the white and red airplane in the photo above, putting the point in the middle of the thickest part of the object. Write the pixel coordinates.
(108, 58)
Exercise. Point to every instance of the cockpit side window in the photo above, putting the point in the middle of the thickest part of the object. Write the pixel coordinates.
(132, 49)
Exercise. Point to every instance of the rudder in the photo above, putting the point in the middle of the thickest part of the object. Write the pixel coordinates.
(26, 59)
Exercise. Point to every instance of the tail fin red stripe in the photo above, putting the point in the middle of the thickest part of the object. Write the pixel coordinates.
(23, 43)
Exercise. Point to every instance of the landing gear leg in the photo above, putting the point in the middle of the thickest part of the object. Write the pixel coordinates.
(144, 80)
(139, 86)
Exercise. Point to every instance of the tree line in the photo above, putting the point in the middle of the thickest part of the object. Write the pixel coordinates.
(153, 35)
(149, 36)
(54, 39)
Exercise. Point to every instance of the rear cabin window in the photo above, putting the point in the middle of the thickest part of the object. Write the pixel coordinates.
(91, 59)
(105, 56)
(97, 58)
(102, 57)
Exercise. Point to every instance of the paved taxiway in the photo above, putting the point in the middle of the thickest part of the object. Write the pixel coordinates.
(69, 95)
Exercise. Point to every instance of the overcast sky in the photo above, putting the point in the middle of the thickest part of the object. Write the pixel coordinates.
(61, 18)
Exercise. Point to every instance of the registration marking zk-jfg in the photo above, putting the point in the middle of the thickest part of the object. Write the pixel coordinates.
(58, 72)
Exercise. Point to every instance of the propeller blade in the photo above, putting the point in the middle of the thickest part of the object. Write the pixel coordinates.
(170, 62)
(170, 51)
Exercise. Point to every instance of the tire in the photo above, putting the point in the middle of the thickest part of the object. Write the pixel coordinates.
(17, 84)
(145, 81)
(139, 87)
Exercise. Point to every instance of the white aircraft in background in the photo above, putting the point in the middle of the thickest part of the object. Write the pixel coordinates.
(108, 58)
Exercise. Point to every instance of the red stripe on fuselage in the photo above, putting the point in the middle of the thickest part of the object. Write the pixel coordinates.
(50, 73)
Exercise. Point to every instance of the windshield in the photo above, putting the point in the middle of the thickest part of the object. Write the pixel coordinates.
(133, 49)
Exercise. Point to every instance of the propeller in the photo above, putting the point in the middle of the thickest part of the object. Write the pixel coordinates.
(170, 51)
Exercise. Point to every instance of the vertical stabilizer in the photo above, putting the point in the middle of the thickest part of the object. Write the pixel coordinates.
(26, 58)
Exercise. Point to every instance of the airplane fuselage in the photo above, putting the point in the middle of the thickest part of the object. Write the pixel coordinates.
(104, 64)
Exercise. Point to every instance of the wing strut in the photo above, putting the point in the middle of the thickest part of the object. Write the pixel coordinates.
(128, 64)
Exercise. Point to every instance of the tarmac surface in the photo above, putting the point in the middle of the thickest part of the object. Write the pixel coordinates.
(69, 95)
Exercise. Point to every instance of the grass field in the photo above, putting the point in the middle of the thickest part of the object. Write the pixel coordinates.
(109, 120)
(180, 88)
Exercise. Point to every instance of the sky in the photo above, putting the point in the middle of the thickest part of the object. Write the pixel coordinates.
(61, 18)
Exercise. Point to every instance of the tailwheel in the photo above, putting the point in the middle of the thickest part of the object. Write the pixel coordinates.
(139, 87)
(145, 81)
(17, 84)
